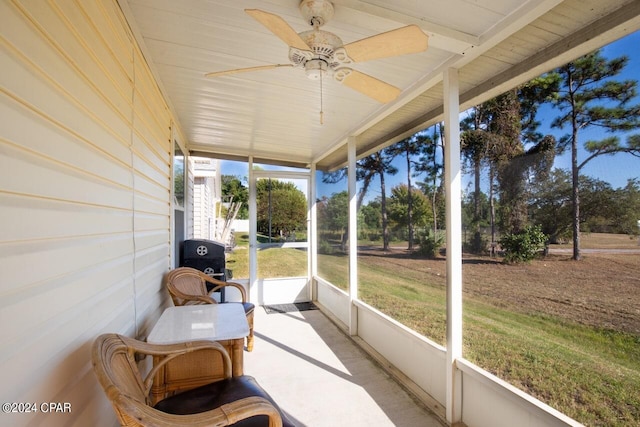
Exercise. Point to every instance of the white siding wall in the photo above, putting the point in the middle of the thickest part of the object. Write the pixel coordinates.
(202, 208)
(199, 192)
(190, 200)
(84, 200)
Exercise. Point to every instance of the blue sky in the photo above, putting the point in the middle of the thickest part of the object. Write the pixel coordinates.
(615, 170)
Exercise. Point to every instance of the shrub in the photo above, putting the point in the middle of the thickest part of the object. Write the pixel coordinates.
(429, 243)
(477, 245)
(324, 247)
(524, 245)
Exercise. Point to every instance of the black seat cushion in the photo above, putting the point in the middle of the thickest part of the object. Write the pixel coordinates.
(212, 396)
(248, 307)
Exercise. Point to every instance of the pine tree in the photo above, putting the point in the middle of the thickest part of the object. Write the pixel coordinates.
(408, 148)
(589, 96)
(379, 164)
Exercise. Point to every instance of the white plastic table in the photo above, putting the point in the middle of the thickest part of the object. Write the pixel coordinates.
(214, 322)
(224, 323)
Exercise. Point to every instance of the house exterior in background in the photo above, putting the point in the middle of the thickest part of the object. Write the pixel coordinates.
(206, 198)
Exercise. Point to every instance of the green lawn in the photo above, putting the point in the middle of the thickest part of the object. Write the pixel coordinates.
(592, 375)
(272, 262)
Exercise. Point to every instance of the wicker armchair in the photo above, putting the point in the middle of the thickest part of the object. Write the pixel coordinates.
(236, 401)
(187, 285)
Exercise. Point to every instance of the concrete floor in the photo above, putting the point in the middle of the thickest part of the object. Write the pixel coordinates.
(319, 377)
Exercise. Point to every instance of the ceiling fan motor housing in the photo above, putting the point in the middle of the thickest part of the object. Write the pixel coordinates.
(322, 43)
(320, 59)
(316, 12)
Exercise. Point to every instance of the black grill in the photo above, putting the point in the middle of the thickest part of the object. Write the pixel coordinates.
(206, 256)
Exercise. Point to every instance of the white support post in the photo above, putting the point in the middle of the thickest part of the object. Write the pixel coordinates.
(353, 236)
(454, 243)
(312, 226)
(253, 240)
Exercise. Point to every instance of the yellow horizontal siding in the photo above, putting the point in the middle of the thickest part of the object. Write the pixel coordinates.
(50, 140)
(105, 67)
(85, 172)
(66, 73)
(21, 170)
(31, 219)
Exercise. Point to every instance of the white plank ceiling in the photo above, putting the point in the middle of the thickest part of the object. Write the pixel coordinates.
(274, 115)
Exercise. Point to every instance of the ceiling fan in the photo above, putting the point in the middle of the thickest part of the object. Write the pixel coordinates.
(322, 53)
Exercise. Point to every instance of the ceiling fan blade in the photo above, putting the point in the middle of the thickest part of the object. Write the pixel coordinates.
(279, 27)
(244, 70)
(370, 86)
(405, 40)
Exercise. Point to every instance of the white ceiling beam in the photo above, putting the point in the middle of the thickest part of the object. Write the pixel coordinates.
(524, 15)
(440, 37)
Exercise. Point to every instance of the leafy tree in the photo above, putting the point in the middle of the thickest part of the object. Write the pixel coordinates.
(371, 215)
(589, 96)
(336, 211)
(282, 208)
(550, 205)
(627, 208)
(597, 204)
(334, 215)
(235, 186)
(469, 208)
(603, 209)
(399, 211)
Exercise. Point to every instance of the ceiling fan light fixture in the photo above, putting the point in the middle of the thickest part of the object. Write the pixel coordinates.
(315, 68)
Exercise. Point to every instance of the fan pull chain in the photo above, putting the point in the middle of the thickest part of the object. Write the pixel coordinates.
(321, 112)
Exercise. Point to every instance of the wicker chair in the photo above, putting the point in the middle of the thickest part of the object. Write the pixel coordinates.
(187, 285)
(236, 401)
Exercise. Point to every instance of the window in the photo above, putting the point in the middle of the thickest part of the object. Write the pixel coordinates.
(179, 193)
